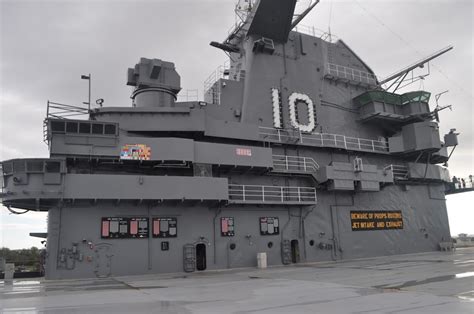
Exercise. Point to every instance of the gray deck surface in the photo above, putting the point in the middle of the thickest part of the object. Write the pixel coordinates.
(436, 282)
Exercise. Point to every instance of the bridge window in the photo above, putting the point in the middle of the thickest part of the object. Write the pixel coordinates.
(110, 129)
(52, 167)
(58, 126)
(34, 166)
(71, 127)
(19, 166)
(97, 128)
(7, 168)
(85, 128)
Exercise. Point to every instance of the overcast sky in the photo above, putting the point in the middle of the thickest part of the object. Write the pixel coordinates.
(45, 46)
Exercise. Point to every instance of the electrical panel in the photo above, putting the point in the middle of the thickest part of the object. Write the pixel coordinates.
(227, 226)
(269, 226)
(165, 227)
(124, 227)
(165, 246)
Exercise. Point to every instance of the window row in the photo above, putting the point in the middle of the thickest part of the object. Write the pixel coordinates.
(83, 127)
(31, 166)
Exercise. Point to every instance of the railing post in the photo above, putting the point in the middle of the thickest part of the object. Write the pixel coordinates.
(373, 146)
(281, 191)
(345, 142)
(286, 162)
(358, 142)
(301, 137)
(299, 194)
(243, 193)
(279, 135)
(304, 163)
(263, 193)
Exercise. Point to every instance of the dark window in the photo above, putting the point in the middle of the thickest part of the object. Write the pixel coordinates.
(58, 126)
(85, 128)
(52, 167)
(269, 226)
(97, 128)
(71, 127)
(227, 226)
(165, 227)
(7, 167)
(270, 244)
(232, 246)
(202, 170)
(34, 166)
(19, 166)
(110, 129)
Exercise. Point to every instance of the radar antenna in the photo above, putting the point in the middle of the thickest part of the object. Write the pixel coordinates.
(400, 77)
(438, 107)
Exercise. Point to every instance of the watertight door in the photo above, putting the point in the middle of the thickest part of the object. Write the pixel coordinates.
(189, 258)
(103, 260)
(295, 251)
(201, 256)
(286, 252)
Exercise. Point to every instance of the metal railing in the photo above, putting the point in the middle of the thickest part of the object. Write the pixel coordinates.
(400, 172)
(294, 163)
(462, 183)
(351, 74)
(323, 140)
(271, 194)
(217, 74)
(189, 95)
(315, 32)
(63, 111)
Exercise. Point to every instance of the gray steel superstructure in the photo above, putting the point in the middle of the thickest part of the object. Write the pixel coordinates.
(295, 151)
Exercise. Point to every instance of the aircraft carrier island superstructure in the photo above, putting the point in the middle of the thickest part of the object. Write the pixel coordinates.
(296, 151)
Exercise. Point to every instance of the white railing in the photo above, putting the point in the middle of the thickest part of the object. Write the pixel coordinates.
(189, 95)
(400, 172)
(351, 74)
(271, 194)
(217, 74)
(323, 140)
(294, 163)
(315, 32)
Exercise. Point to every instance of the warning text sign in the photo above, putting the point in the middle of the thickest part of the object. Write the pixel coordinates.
(376, 220)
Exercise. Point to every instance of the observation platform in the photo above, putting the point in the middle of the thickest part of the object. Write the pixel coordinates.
(434, 282)
(462, 185)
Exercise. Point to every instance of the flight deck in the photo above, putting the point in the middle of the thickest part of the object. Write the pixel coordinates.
(435, 282)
